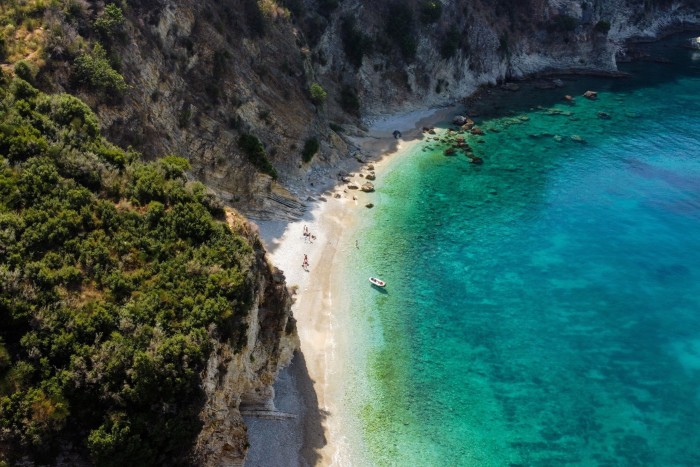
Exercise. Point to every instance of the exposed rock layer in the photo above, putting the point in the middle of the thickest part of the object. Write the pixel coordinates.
(241, 378)
(203, 72)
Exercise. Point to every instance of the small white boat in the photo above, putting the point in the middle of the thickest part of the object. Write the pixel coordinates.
(377, 282)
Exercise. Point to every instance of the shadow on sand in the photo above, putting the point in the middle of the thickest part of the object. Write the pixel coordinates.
(312, 417)
(294, 440)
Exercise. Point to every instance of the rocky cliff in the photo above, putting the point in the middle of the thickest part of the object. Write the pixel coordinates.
(209, 62)
(201, 73)
(241, 378)
(469, 44)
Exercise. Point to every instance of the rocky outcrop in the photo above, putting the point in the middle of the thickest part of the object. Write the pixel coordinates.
(203, 72)
(240, 374)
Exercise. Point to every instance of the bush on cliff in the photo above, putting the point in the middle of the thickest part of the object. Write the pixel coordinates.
(311, 147)
(114, 278)
(255, 151)
(400, 27)
(318, 94)
(602, 27)
(356, 44)
(93, 69)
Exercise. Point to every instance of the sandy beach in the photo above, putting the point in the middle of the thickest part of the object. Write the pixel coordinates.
(311, 388)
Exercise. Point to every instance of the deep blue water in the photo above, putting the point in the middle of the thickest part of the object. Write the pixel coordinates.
(543, 308)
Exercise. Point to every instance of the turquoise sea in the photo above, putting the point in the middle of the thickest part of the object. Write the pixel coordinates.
(542, 308)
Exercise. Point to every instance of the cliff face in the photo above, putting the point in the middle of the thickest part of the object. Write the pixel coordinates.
(241, 378)
(481, 42)
(204, 72)
(201, 74)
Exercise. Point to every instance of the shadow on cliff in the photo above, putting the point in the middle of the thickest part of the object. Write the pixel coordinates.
(314, 437)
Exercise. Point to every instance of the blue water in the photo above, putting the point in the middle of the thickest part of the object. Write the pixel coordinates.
(543, 308)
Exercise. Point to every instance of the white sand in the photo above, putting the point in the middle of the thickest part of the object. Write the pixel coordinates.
(317, 373)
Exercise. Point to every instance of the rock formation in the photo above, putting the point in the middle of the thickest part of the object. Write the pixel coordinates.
(241, 377)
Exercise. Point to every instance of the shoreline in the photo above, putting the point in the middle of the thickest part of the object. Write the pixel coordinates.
(316, 375)
(318, 436)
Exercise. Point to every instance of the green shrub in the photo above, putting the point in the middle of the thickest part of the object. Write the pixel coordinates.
(349, 101)
(504, 45)
(254, 18)
(24, 71)
(110, 22)
(450, 43)
(335, 127)
(93, 69)
(318, 94)
(356, 44)
(326, 7)
(430, 11)
(563, 23)
(602, 27)
(255, 151)
(108, 306)
(311, 147)
(400, 27)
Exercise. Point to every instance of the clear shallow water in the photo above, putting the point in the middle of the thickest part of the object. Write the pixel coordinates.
(543, 308)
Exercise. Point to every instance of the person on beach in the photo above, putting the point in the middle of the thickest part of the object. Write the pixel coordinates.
(357, 245)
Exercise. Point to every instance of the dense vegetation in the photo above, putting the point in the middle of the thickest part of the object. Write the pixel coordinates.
(311, 147)
(115, 278)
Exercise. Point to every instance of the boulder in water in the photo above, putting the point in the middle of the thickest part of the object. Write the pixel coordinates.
(590, 95)
(459, 120)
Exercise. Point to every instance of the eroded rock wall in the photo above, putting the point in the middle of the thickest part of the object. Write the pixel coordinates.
(241, 373)
(203, 72)
(498, 40)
